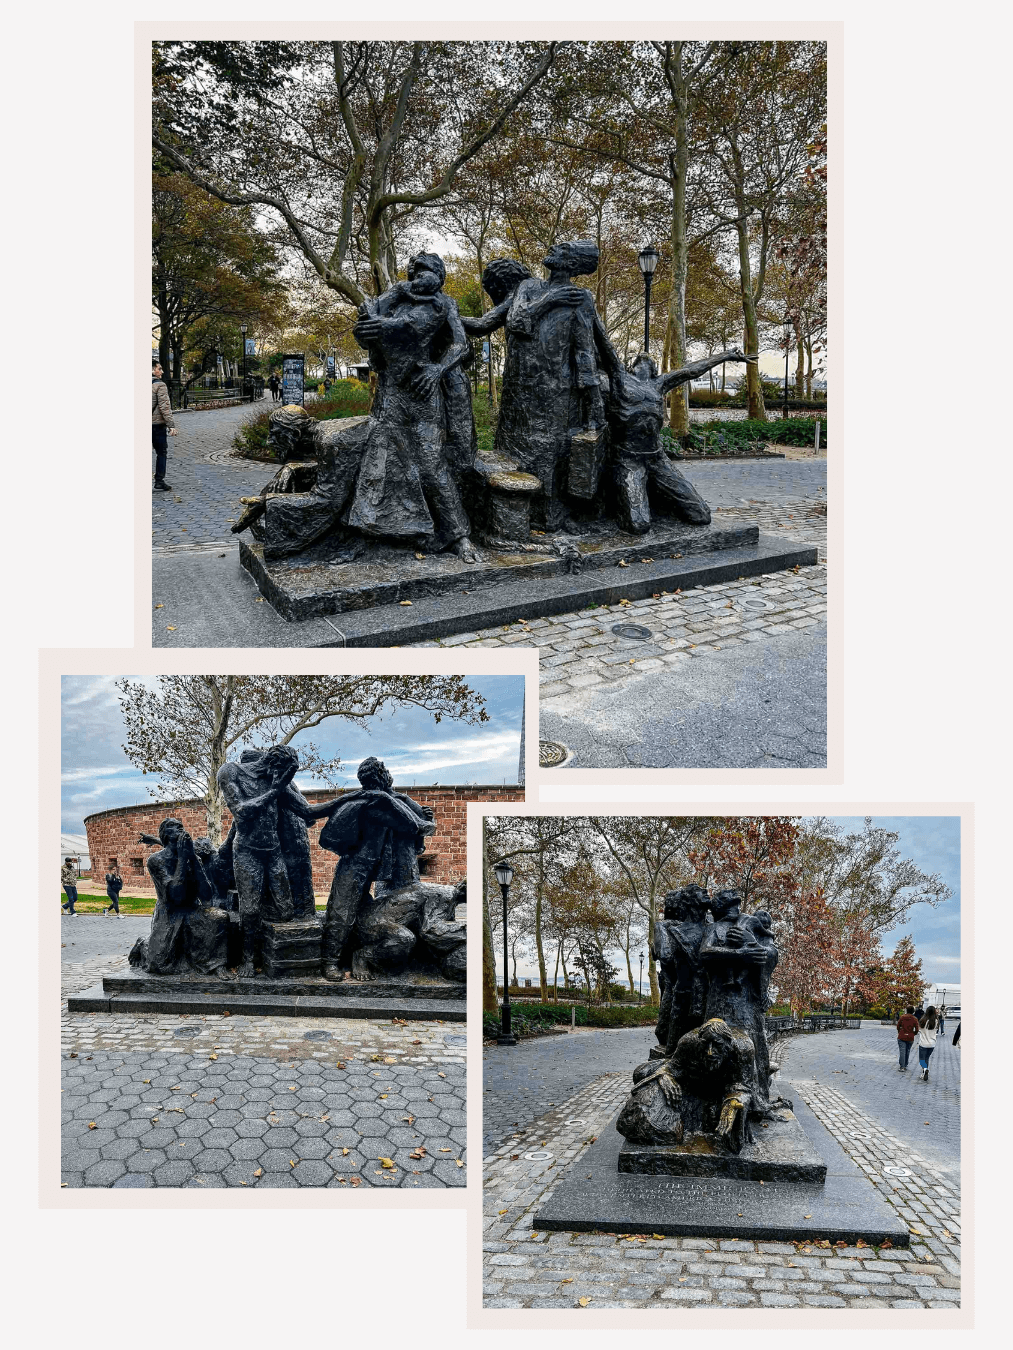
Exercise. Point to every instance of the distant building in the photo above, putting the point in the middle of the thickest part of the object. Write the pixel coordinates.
(114, 836)
(75, 846)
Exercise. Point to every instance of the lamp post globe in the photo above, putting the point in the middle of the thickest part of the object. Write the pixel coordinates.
(504, 874)
(647, 260)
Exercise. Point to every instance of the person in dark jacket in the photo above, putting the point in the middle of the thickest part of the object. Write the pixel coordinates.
(162, 425)
(274, 384)
(956, 1035)
(114, 884)
(907, 1030)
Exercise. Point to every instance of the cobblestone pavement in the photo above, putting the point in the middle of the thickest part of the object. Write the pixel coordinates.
(862, 1067)
(214, 1101)
(523, 1081)
(206, 483)
(528, 1269)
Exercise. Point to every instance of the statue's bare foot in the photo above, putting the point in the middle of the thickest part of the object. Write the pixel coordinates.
(360, 971)
(466, 550)
(245, 971)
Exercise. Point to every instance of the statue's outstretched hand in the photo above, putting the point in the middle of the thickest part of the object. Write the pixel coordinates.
(368, 330)
(425, 381)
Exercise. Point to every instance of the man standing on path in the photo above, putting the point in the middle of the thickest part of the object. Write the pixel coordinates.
(114, 884)
(161, 425)
(907, 1029)
(274, 384)
(68, 879)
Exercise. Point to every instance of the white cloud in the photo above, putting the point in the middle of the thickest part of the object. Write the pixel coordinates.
(102, 771)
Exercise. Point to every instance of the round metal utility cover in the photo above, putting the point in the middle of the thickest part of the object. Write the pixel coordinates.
(898, 1171)
(187, 1033)
(538, 1157)
(455, 1040)
(316, 1036)
(631, 630)
(754, 602)
(575, 1122)
(551, 753)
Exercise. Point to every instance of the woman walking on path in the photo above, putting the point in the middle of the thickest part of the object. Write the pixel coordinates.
(907, 1029)
(114, 884)
(68, 880)
(926, 1040)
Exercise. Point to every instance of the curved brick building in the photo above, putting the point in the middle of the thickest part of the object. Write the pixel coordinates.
(113, 835)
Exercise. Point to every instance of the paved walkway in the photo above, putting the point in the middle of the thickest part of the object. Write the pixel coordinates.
(205, 1102)
(521, 1082)
(862, 1067)
(207, 483)
(528, 1269)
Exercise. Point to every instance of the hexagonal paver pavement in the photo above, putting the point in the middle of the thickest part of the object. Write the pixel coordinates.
(138, 1118)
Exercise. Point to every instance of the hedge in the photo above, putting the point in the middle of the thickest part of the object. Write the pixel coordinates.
(535, 1019)
(716, 438)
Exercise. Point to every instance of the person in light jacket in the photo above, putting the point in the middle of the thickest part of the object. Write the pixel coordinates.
(926, 1040)
(68, 880)
(162, 425)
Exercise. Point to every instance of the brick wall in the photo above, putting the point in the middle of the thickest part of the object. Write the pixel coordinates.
(113, 834)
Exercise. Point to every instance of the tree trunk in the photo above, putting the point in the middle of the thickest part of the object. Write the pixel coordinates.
(629, 971)
(651, 968)
(538, 926)
(800, 367)
(555, 976)
(489, 1000)
(809, 370)
(678, 411)
(754, 390)
(513, 958)
(214, 803)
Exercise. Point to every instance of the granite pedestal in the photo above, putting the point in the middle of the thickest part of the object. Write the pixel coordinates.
(415, 998)
(449, 596)
(594, 1196)
(780, 1151)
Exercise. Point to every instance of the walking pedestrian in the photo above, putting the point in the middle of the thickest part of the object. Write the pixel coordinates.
(942, 1019)
(68, 880)
(907, 1029)
(919, 1012)
(274, 384)
(162, 425)
(114, 884)
(926, 1040)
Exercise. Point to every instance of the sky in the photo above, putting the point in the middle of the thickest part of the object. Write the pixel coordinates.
(933, 843)
(96, 775)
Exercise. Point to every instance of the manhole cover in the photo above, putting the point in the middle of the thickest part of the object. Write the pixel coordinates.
(316, 1036)
(575, 1122)
(631, 630)
(186, 1033)
(897, 1171)
(455, 1040)
(755, 603)
(551, 753)
(538, 1157)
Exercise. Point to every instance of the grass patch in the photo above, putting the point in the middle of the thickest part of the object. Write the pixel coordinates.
(129, 904)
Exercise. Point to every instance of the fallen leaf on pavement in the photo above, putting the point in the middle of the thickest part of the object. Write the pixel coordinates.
(583, 1302)
(356, 1181)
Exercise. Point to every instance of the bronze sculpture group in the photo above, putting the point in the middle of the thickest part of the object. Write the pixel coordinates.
(578, 434)
(710, 1075)
(213, 904)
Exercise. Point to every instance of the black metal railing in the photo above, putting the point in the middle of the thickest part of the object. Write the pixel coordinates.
(795, 1026)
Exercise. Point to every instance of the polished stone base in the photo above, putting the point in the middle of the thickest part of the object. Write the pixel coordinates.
(415, 997)
(780, 1152)
(594, 1196)
(447, 596)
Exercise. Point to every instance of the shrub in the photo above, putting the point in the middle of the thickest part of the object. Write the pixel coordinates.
(709, 398)
(345, 398)
(716, 438)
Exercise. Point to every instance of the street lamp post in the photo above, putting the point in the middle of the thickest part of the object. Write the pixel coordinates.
(648, 261)
(640, 986)
(242, 329)
(504, 875)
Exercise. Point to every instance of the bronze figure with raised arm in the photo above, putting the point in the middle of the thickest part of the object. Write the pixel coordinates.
(636, 413)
